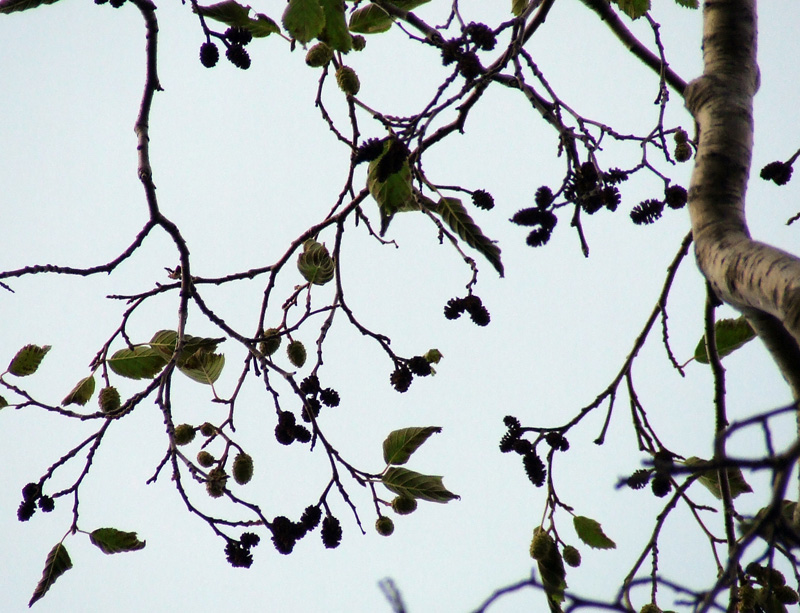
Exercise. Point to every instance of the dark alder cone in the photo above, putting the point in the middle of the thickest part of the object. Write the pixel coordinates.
(675, 196)
(393, 160)
(614, 176)
(556, 441)
(286, 418)
(209, 54)
(481, 35)
(451, 50)
(310, 517)
(592, 203)
(480, 316)
(116, 3)
(238, 56)
(777, 172)
(26, 510)
(98, 2)
(31, 492)
(331, 532)
(534, 468)
(419, 366)
(507, 442)
(469, 65)
(471, 302)
(283, 534)
(249, 539)
(647, 212)
(512, 423)
(238, 556)
(302, 434)
(587, 176)
(239, 36)
(535, 217)
(454, 308)
(329, 397)
(638, 479)
(661, 485)
(311, 407)
(368, 150)
(482, 199)
(404, 505)
(538, 237)
(46, 504)
(543, 197)
(284, 434)
(522, 446)
(310, 385)
(611, 198)
(401, 379)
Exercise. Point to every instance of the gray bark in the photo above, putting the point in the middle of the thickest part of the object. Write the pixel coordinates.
(761, 281)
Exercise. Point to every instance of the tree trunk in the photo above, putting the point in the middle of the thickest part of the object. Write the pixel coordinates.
(760, 281)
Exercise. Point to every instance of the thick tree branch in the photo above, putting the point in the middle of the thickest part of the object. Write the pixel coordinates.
(759, 280)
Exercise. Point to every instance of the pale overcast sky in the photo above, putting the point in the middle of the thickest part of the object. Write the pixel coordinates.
(244, 163)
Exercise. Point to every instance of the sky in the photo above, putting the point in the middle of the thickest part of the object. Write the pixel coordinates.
(244, 163)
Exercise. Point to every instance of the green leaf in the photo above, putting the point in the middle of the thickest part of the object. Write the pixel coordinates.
(335, 32)
(234, 14)
(692, 4)
(730, 333)
(164, 341)
(710, 479)
(57, 563)
(400, 444)
(137, 363)
(633, 8)
(315, 263)
(27, 360)
(81, 393)
(262, 26)
(410, 484)
(591, 533)
(395, 194)
(370, 19)
(3, 403)
(518, 6)
(111, 540)
(228, 12)
(551, 568)
(204, 366)
(455, 215)
(303, 19)
(782, 529)
(12, 6)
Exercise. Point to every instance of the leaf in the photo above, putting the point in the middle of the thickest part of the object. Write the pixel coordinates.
(262, 26)
(400, 444)
(591, 533)
(234, 14)
(27, 360)
(137, 363)
(781, 529)
(12, 6)
(394, 194)
(228, 12)
(370, 19)
(455, 215)
(692, 4)
(3, 403)
(303, 19)
(410, 484)
(164, 341)
(730, 333)
(204, 366)
(710, 479)
(111, 540)
(81, 393)
(633, 8)
(551, 568)
(335, 32)
(57, 564)
(518, 6)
